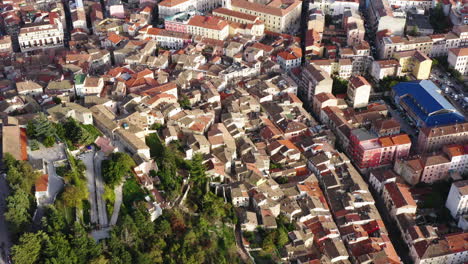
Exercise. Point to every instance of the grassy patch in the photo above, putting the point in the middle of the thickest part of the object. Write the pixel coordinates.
(92, 130)
(132, 192)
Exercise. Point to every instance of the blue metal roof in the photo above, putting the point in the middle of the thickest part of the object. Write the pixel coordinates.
(425, 100)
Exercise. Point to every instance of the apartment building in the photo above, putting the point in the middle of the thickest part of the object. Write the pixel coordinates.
(5, 44)
(383, 16)
(434, 138)
(41, 35)
(458, 156)
(168, 38)
(336, 7)
(458, 59)
(433, 45)
(172, 7)
(457, 200)
(354, 26)
(360, 57)
(415, 62)
(315, 81)
(427, 168)
(408, 4)
(369, 151)
(358, 91)
(389, 46)
(209, 27)
(278, 16)
(290, 58)
(252, 24)
(398, 199)
(383, 68)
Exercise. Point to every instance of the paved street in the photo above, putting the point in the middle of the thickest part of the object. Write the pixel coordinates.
(101, 204)
(88, 160)
(117, 205)
(5, 242)
(54, 153)
(405, 127)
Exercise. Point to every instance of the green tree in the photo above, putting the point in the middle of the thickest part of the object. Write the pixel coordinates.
(73, 195)
(53, 221)
(40, 127)
(268, 244)
(29, 248)
(114, 169)
(57, 100)
(339, 86)
(17, 213)
(76, 133)
(414, 31)
(185, 102)
(99, 260)
(282, 237)
(438, 19)
(85, 247)
(58, 250)
(49, 141)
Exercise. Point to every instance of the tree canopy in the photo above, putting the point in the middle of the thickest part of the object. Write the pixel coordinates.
(115, 168)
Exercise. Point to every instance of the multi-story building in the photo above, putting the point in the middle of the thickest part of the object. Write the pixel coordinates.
(409, 4)
(398, 199)
(290, 59)
(78, 15)
(336, 7)
(369, 151)
(255, 26)
(384, 68)
(210, 27)
(354, 26)
(5, 44)
(382, 16)
(388, 46)
(358, 91)
(179, 21)
(172, 7)
(416, 62)
(41, 35)
(434, 138)
(458, 156)
(433, 45)
(458, 59)
(168, 38)
(457, 200)
(278, 16)
(427, 168)
(315, 81)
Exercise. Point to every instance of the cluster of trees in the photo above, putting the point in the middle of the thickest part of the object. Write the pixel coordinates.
(438, 20)
(116, 168)
(340, 86)
(70, 131)
(169, 161)
(185, 102)
(388, 82)
(20, 204)
(41, 129)
(76, 190)
(270, 241)
(58, 241)
(75, 133)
